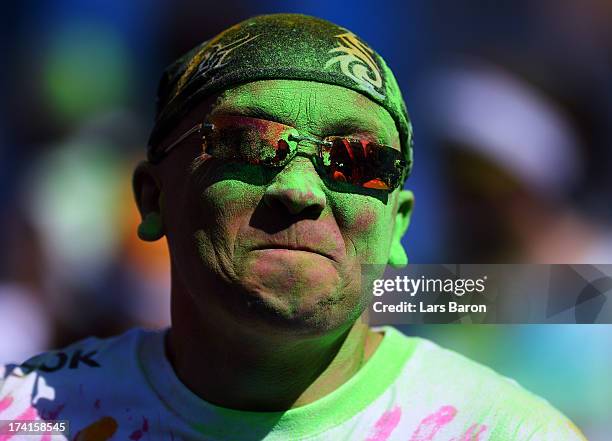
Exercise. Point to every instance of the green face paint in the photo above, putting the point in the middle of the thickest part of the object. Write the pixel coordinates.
(286, 245)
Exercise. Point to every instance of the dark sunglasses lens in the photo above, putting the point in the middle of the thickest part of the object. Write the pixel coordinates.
(364, 164)
(251, 141)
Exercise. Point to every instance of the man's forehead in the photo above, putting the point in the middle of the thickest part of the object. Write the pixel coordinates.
(306, 105)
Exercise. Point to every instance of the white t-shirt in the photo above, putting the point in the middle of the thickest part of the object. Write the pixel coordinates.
(124, 388)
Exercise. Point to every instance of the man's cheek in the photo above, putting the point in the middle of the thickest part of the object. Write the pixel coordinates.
(370, 230)
(231, 195)
(224, 208)
(229, 203)
(365, 220)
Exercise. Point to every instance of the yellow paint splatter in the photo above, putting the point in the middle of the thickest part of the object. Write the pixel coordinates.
(576, 430)
(101, 430)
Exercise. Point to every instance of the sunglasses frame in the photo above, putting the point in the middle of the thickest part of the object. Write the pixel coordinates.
(203, 127)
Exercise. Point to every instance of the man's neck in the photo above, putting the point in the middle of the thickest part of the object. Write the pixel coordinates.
(230, 369)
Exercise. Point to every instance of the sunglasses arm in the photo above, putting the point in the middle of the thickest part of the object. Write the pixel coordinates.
(198, 128)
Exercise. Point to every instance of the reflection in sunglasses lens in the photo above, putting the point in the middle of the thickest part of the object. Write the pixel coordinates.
(282, 151)
(341, 164)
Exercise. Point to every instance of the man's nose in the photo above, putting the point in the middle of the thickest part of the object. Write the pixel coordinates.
(298, 189)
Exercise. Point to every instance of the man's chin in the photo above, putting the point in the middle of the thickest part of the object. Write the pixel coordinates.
(298, 291)
(268, 314)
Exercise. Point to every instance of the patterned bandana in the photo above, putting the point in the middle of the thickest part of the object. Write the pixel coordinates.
(278, 46)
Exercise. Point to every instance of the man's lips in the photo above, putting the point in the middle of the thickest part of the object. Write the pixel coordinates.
(293, 248)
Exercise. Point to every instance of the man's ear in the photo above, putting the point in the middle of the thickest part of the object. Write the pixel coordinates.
(147, 192)
(397, 255)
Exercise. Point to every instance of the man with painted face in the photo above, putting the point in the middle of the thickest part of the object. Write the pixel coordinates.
(275, 171)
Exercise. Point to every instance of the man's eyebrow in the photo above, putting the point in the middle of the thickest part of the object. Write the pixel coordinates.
(250, 111)
(351, 125)
(342, 126)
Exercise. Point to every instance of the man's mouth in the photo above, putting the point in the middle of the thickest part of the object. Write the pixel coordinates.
(307, 249)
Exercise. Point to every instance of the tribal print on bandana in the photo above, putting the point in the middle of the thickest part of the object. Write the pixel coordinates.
(357, 63)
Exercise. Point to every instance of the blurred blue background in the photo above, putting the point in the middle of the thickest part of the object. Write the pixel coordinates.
(511, 103)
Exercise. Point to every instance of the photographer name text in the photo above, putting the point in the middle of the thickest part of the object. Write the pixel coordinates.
(405, 285)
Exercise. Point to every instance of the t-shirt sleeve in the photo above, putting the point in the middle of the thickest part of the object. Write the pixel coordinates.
(502, 405)
(541, 421)
(559, 428)
(536, 418)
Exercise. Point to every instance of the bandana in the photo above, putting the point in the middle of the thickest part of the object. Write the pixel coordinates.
(271, 47)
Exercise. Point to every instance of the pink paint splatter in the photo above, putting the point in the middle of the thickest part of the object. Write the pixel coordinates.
(137, 434)
(28, 414)
(471, 435)
(52, 414)
(430, 425)
(386, 424)
(5, 403)
(364, 220)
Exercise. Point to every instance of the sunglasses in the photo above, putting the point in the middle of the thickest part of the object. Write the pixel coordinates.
(356, 162)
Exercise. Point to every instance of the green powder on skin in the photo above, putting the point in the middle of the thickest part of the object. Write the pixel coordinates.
(234, 201)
